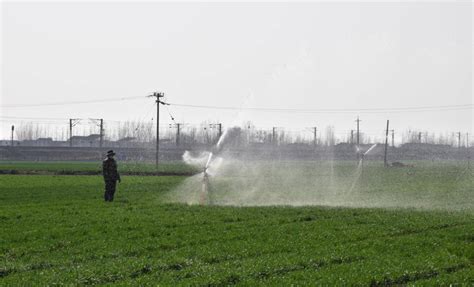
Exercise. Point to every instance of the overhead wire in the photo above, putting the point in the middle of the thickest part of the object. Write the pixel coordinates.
(345, 110)
(266, 109)
(171, 116)
(74, 102)
(55, 121)
(33, 118)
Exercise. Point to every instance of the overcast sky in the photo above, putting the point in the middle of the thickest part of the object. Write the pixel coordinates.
(311, 56)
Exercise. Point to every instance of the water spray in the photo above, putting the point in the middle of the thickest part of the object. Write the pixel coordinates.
(205, 175)
(205, 188)
(369, 150)
(359, 165)
(205, 181)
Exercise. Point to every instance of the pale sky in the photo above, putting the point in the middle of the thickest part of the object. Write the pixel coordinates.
(313, 56)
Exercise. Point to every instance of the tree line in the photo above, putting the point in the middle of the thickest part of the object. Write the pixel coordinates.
(208, 133)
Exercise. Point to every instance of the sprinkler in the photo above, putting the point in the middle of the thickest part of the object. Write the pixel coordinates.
(361, 155)
(204, 198)
(365, 153)
(205, 187)
(359, 165)
(205, 182)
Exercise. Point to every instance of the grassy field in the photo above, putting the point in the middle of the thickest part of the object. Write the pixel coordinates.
(427, 185)
(78, 167)
(57, 230)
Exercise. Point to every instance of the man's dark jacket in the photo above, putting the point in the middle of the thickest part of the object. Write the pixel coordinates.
(109, 170)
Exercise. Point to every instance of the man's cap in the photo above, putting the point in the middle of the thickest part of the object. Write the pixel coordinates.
(110, 152)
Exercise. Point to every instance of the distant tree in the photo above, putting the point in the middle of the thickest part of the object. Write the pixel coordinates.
(31, 131)
(330, 139)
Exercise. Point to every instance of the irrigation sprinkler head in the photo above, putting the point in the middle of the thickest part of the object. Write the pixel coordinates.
(204, 172)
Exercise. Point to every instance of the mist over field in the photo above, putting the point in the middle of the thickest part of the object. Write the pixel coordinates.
(250, 181)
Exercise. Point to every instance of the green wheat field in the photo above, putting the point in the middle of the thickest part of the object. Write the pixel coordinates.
(56, 230)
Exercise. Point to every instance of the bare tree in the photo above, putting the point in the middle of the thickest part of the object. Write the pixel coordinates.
(330, 138)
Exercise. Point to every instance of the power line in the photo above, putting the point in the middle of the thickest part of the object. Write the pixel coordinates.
(31, 122)
(352, 110)
(33, 118)
(51, 120)
(341, 110)
(73, 102)
(171, 116)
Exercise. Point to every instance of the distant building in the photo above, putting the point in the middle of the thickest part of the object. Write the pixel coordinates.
(38, 142)
(127, 142)
(86, 141)
(9, 143)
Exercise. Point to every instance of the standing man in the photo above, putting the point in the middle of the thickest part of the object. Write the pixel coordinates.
(111, 175)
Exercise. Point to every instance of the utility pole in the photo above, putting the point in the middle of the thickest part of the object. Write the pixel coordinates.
(70, 132)
(158, 96)
(358, 137)
(315, 140)
(419, 137)
(13, 129)
(178, 126)
(248, 135)
(468, 153)
(274, 136)
(72, 123)
(393, 138)
(101, 127)
(386, 145)
(220, 130)
(101, 132)
(459, 139)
